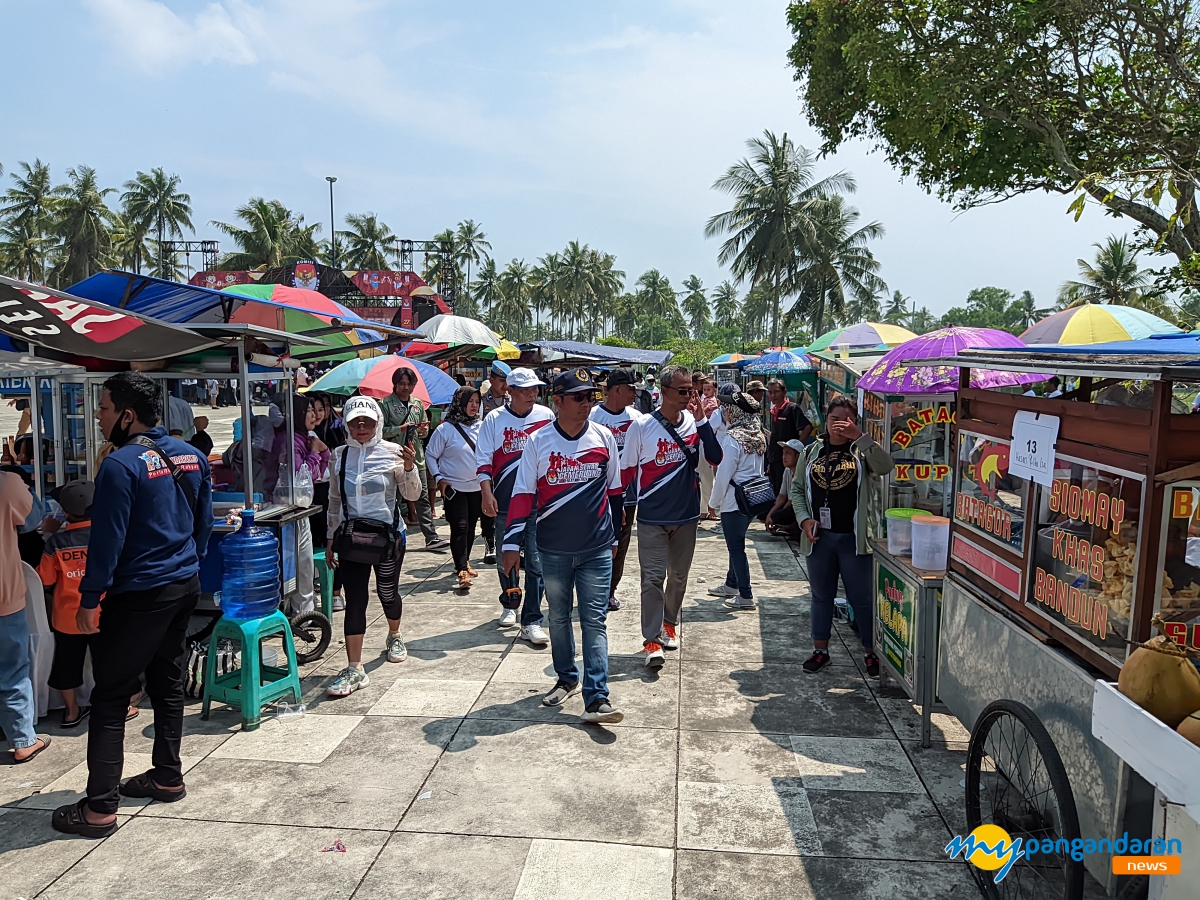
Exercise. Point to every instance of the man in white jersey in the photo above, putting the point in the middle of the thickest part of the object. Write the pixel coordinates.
(568, 478)
(617, 413)
(502, 440)
(662, 451)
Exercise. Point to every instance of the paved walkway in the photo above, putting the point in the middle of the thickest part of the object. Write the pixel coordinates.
(733, 775)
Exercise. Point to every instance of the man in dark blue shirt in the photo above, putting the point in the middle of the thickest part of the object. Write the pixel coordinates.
(151, 520)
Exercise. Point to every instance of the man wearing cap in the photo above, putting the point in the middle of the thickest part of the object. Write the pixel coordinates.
(662, 452)
(757, 390)
(497, 394)
(787, 423)
(616, 414)
(502, 439)
(569, 480)
(654, 392)
(781, 520)
(405, 422)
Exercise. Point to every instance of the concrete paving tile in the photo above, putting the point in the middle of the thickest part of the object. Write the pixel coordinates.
(905, 717)
(19, 781)
(367, 782)
(943, 769)
(747, 818)
(749, 639)
(445, 867)
(32, 854)
(153, 858)
(524, 668)
(609, 784)
(306, 739)
(736, 758)
(778, 699)
(887, 826)
(855, 764)
(584, 870)
(428, 697)
(71, 787)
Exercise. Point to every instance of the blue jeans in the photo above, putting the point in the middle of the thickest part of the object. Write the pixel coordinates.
(833, 555)
(531, 610)
(16, 690)
(587, 576)
(733, 526)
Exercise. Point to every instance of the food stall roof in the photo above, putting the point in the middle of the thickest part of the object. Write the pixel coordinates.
(579, 351)
(1075, 363)
(856, 363)
(22, 365)
(266, 335)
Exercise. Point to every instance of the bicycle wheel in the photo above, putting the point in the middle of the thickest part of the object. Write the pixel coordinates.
(311, 633)
(1016, 780)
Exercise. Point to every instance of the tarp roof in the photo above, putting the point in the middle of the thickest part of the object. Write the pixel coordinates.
(602, 352)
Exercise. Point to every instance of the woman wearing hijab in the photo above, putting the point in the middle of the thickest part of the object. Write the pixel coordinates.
(743, 449)
(450, 455)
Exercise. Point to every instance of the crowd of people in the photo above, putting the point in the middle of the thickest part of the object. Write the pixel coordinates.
(554, 487)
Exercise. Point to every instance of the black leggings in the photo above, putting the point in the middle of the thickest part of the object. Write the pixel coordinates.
(356, 578)
(487, 527)
(462, 510)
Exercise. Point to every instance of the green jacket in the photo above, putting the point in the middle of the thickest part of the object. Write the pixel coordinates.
(401, 422)
(868, 455)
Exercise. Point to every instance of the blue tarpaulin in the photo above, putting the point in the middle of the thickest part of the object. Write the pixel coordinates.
(602, 352)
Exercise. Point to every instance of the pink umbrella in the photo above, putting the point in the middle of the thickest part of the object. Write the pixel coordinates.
(899, 371)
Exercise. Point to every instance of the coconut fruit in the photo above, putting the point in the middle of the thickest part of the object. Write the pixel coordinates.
(1160, 678)
(1190, 728)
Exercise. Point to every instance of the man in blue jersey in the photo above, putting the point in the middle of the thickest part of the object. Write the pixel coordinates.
(567, 478)
(151, 520)
(662, 452)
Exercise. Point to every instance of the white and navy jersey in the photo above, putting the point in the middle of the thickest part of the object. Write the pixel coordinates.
(502, 440)
(668, 488)
(618, 423)
(567, 483)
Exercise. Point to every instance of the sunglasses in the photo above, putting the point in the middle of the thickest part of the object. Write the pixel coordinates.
(683, 391)
(580, 396)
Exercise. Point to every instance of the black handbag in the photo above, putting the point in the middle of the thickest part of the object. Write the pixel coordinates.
(363, 540)
(755, 496)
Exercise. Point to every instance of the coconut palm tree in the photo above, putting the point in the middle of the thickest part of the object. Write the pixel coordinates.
(82, 220)
(153, 204)
(1115, 277)
(1026, 310)
(695, 306)
(28, 211)
(471, 245)
(775, 199)
(607, 282)
(366, 243)
(271, 236)
(658, 302)
(756, 311)
(897, 311)
(510, 313)
(547, 288)
(485, 290)
(922, 321)
(865, 309)
(725, 305)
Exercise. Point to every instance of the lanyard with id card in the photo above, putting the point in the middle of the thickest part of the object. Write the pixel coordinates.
(825, 517)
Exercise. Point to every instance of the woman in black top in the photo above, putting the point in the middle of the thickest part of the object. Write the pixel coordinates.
(332, 433)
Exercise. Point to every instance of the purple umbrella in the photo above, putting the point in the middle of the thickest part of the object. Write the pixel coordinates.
(899, 371)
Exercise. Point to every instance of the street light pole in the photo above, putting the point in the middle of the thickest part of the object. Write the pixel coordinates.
(332, 226)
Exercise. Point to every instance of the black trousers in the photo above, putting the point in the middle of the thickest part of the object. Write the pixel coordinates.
(487, 527)
(140, 631)
(70, 653)
(357, 579)
(463, 509)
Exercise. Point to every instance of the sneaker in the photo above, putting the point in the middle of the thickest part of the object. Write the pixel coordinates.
(723, 590)
(508, 618)
(347, 682)
(818, 661)
(535, 634)
(437, 544)
(613, 604)
(561, 692)
(396, 651)
(737, 602)
(654, 655)
(602, 712)
(668, 637)
(872, 665)
(339, 603)
(489, 555)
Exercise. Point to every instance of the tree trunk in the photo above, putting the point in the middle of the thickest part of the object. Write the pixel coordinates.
(775, 311)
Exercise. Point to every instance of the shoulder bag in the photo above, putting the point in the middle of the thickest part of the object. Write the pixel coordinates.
(364, 540)
(692, 453)
(755, 496)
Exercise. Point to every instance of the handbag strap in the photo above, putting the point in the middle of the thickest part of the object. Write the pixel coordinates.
(345, 502)
(466, 437)
(693, 455)
(177, 473)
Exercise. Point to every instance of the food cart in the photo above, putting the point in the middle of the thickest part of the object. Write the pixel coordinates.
(838, 371)
(1050, 580)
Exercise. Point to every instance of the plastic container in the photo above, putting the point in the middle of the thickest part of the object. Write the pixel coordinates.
(930, 542)
(899, 529)
(250, 583)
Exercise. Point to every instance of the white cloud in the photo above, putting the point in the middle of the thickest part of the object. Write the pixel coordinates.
(151, 36)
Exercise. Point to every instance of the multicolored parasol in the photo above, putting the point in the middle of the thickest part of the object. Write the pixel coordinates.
(297, 311)
(506, 350)
(728, 359)
(899, 371)
(373, 377)
(1097, 324)
(862, 336)
(781, 361)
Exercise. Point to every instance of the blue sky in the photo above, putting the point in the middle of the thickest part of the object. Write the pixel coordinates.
(544, 121)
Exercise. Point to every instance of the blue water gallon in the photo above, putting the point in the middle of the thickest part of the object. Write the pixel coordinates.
(250, 583)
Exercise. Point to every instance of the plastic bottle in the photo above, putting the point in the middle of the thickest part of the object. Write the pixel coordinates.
(250, 584)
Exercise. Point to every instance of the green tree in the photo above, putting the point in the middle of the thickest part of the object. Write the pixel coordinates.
(658, 304)
(1114, 278)
(485, 290)
(367, 243)
(27, 221)
(1028, 312)
(897, 312)
(270, 236)
(987, 307)
(862, 309)
(695, 307)
(152, 204)
(444, 269)
(471, 247)
(775, 199)
(82, 220)
(544, 292)
(725, 305)
(922, 321)
(510, 315)
(757, 307)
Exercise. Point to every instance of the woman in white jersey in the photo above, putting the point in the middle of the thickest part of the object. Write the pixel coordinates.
(450, 454)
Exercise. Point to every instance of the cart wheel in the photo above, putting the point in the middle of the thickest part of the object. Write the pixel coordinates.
(311, 633)
(1016, 779)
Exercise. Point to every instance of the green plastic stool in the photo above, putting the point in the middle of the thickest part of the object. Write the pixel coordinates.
(325, 579)
(245, 687)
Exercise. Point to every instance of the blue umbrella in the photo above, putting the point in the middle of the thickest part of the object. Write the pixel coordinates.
(781, 361)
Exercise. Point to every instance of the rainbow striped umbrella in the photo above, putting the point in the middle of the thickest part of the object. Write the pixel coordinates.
(862, 336)
(296, 310)
(1097, 324)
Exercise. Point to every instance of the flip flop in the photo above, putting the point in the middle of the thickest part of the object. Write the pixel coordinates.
(70, 820)
(132, 715)
(71, 723)
(45, 739)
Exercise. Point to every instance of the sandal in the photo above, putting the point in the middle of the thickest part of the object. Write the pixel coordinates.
(471, 571)
(132, 714)
(45, 739)
(142, 786)
(464, 580)
(70, 820)
(79, 717)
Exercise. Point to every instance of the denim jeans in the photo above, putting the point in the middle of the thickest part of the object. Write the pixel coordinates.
(587, 576)
(16, 690)
(733, 526)
(531, 611)
(833, 555)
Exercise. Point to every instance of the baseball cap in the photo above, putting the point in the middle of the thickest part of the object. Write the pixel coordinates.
(76, 497)
(755, 385)
(361, 407)
(796, 445)
(501, 369)
(649, 376)
(731, 395)
(621, 376)
(524, 378)
(573, 381)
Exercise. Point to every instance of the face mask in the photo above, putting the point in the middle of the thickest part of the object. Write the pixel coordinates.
(120, 431)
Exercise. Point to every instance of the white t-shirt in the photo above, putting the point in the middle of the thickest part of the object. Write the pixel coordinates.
(450, 457)
(502, 440)
(618, 423)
